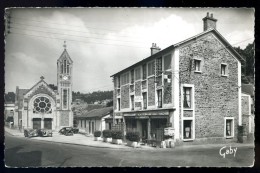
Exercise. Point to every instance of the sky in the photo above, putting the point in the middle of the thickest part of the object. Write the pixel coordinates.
(103, 41)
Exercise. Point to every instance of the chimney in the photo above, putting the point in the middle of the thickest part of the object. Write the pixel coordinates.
(154, 49)
(209, 22)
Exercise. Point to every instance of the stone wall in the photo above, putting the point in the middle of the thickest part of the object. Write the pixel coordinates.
(151, 91)
(138, 86)
(125, 96)
(64, 118)
(115, 95)
(216, 96)
(187, 113)
(245, 105)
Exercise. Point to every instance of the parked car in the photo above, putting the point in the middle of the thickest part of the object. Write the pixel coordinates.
(67, 131)
(30, 133)
(75, 130)
(44, 132)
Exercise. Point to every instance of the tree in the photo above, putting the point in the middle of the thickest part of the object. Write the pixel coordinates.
(248, 66)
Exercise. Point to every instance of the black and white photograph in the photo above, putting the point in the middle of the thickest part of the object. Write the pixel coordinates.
(129, 87)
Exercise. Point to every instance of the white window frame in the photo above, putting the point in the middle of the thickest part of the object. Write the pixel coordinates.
(200, 65)
(233, 127)
(124, 75)
(140, 72)
(148, 76)
(226, 69)
(192, 96)
(192, 128)
(163, 62)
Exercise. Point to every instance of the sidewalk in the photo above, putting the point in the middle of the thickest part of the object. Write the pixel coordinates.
(79, 139)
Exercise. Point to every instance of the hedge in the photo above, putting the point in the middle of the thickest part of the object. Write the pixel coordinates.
(97, 133)
(133, 136)
(107, 134)
(116, 134)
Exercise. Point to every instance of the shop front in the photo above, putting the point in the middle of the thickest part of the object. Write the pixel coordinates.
(150, 124)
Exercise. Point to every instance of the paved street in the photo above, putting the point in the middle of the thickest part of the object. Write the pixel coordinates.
(24, 152)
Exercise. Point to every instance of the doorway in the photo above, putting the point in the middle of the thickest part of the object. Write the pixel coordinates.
(36, 123)
(48, 123)
(144, 129)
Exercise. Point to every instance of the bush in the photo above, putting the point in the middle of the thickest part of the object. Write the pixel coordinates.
(116, 134)
(133, 136)
(107, 134)
(97, 133)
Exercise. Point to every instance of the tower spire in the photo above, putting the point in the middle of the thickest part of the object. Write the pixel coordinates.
(64, 45)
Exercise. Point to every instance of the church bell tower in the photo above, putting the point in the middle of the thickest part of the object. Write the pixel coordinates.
(64, 83)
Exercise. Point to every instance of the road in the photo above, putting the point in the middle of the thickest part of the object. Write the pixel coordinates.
(24, 152)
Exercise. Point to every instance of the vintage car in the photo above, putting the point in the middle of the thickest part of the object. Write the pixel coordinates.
(67, 131)
(30, 133)
(44, 132)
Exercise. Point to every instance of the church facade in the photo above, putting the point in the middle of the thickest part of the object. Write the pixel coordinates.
(44, 106)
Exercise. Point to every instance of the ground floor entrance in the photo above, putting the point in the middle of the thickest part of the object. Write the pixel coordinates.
(149, 127)
(39, 123)
(48, 123)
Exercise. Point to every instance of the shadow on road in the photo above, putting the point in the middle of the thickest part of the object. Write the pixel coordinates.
(14, 158)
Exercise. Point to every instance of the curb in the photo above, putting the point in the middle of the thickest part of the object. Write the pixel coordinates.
(165, 149)
(81, 144)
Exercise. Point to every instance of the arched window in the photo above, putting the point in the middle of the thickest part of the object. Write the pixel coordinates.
(42, 105)
(61, 68)
(65, 65)
(68, 68)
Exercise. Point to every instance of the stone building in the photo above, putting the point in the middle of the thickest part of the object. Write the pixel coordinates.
(43, 107)
(193, 86)
(94, 120)
(248, 110)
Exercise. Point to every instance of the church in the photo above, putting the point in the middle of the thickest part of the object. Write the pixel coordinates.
(47, 106)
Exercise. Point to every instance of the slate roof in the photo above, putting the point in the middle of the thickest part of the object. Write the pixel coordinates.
(249, 89)
(97, 113)
(171, 47)
(84, 108)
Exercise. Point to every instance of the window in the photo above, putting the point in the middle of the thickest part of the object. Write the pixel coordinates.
(65, 66)
(68, 68)
(158, 66)
(61, 68)
(145, 100)
(89, 127)
(187, 97)
(167, 62)
(132, 76)
(138, 73)
(187, 129)
(125, 79)
(132, 102)
(229, 127)
(223, 69)
(197, 65)
(144, 71)
(85, 124)
(65, 98)
(159, 95)
(42, 105)
(151, 68)
(118, 103)
(118, 81)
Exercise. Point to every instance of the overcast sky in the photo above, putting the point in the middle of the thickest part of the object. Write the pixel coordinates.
(103, 41)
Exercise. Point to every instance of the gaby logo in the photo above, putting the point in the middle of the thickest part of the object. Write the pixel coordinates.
(227, 151)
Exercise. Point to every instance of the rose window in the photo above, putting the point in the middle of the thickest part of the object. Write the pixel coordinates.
(42, 105)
